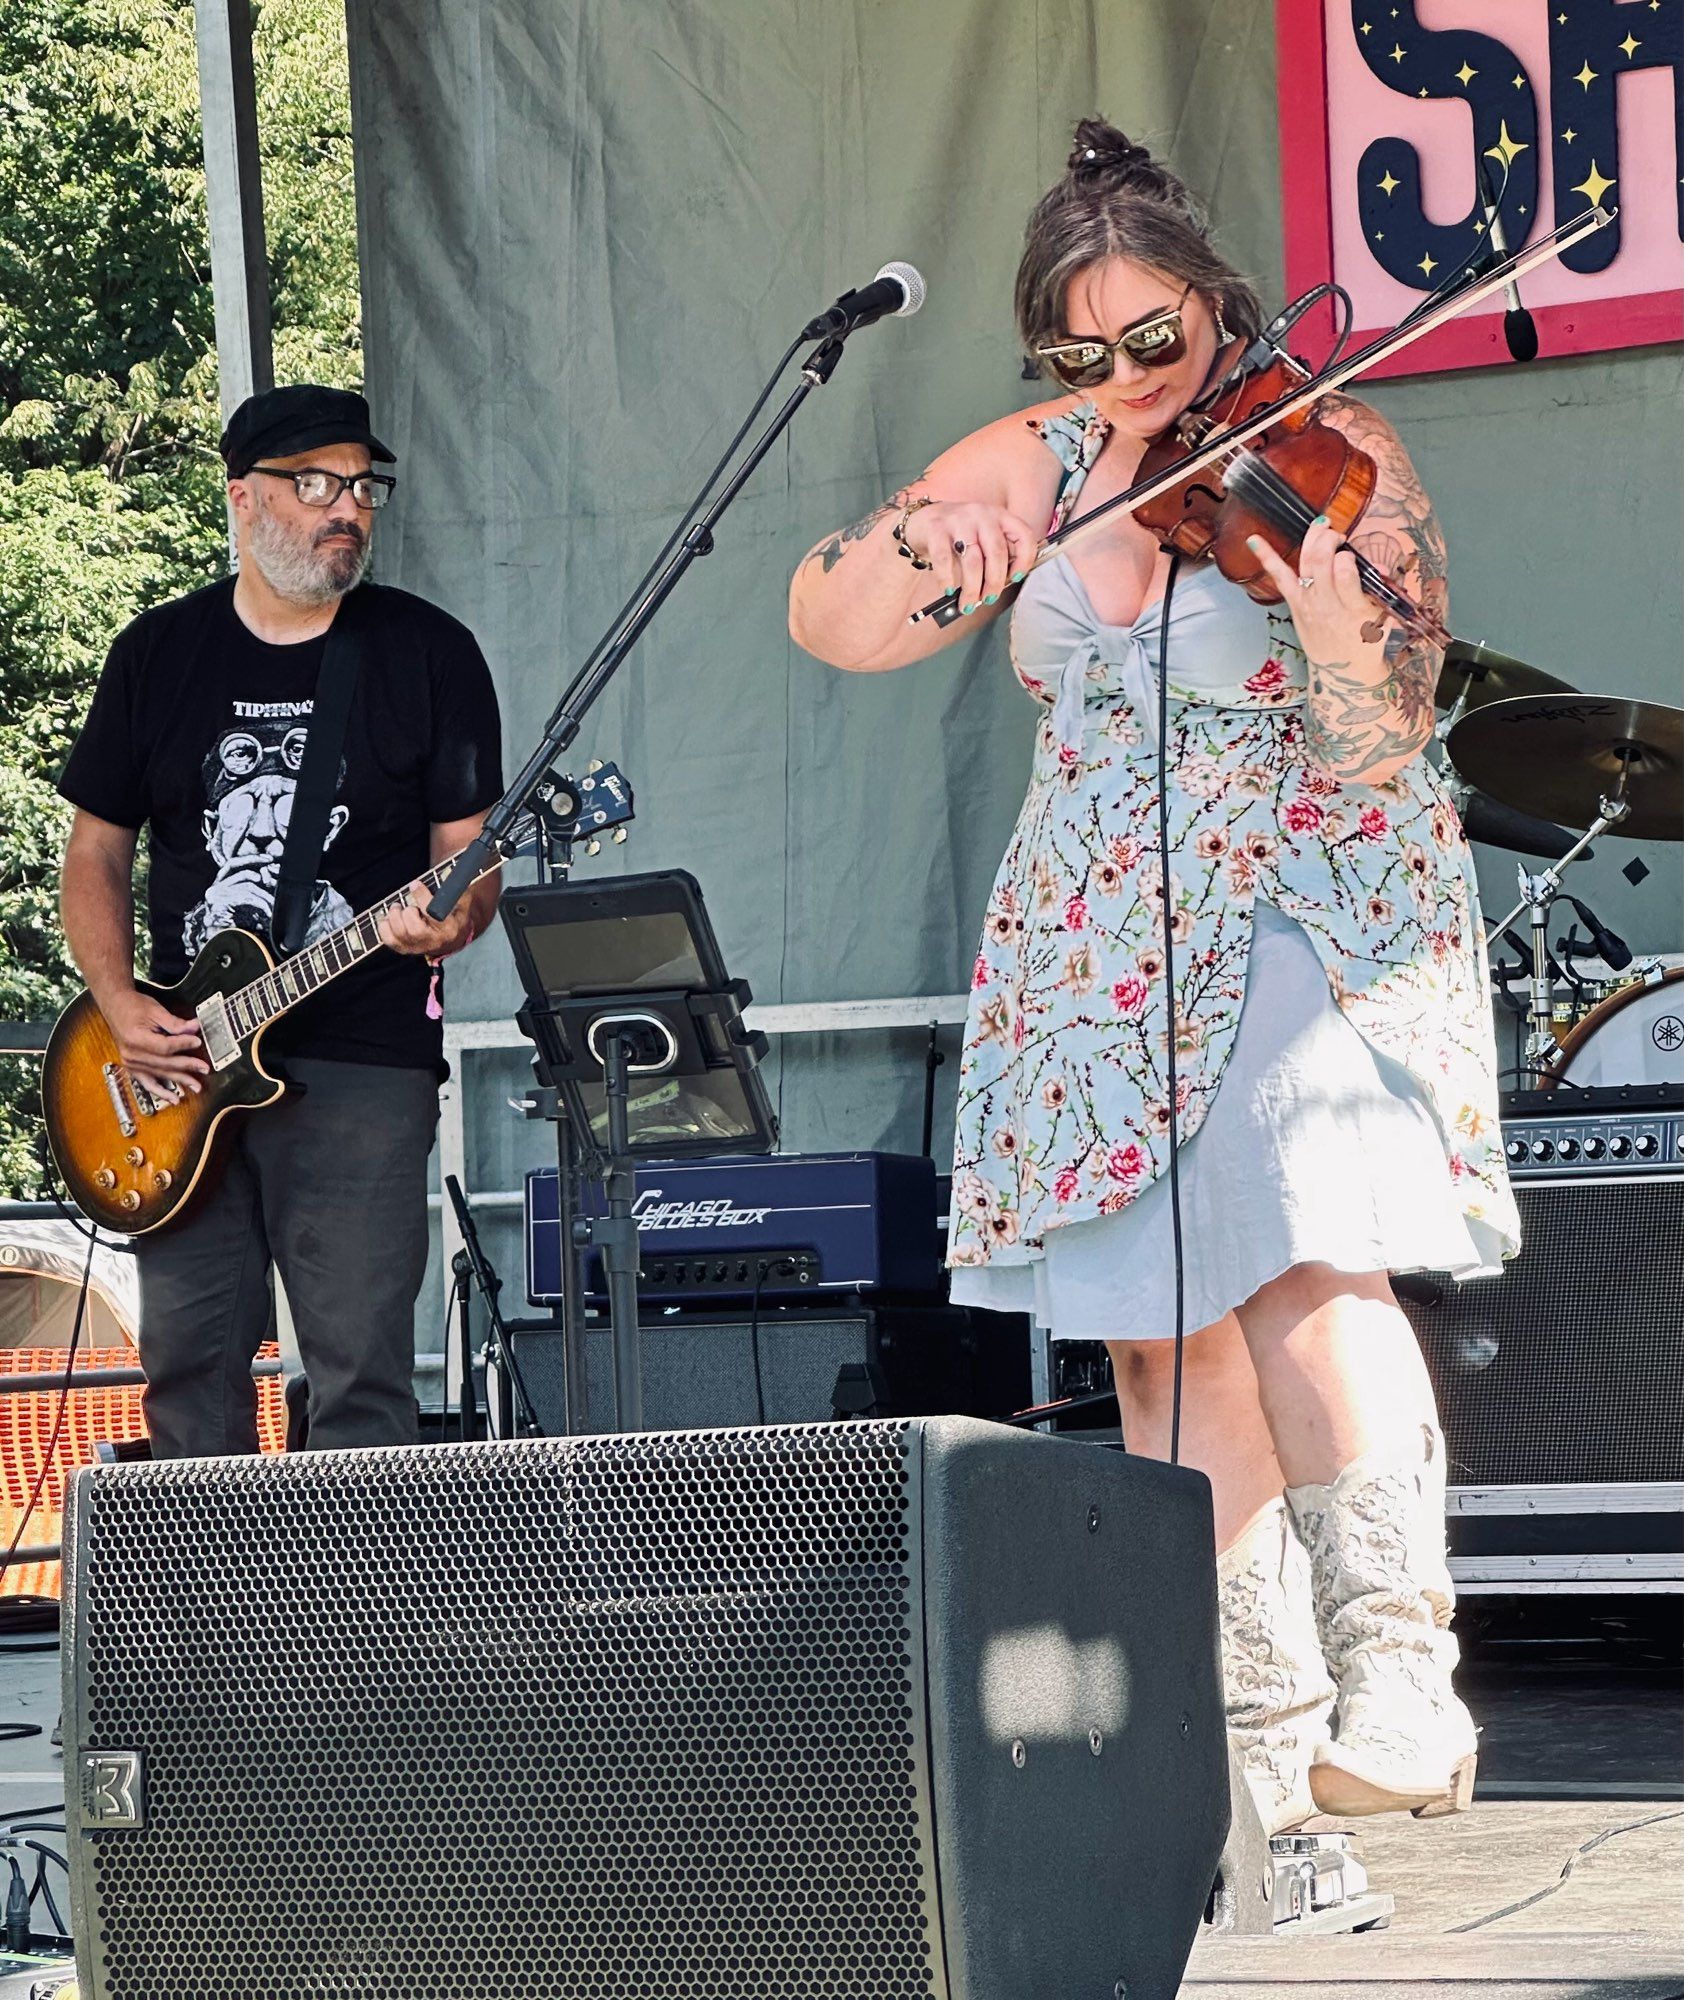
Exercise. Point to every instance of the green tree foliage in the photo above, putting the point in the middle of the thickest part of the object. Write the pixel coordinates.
(111, 493)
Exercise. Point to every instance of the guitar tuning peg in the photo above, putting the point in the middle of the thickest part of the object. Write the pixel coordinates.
(619, 836)
(593, 846)
(594, 766)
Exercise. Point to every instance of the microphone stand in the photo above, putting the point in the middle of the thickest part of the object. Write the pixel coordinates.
(496, 837)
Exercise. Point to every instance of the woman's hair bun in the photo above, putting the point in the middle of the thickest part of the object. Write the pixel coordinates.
(1106, 161)
(1100, 150)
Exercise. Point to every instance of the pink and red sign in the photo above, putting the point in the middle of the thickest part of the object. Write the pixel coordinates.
(1387, 106)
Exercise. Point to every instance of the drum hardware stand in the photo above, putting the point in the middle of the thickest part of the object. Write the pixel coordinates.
(1537, 893)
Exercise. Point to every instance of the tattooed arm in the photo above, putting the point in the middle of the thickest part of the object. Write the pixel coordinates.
(1370, 704)
(853, 593)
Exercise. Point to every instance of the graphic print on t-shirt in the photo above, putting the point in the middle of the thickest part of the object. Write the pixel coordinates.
(250, 776)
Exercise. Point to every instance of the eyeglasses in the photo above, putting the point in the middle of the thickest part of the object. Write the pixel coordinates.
(1158, 341)
(319, 488)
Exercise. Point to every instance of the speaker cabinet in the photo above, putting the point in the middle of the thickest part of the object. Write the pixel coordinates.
(1569, 1368)
(712, 1370)
(885, 1711)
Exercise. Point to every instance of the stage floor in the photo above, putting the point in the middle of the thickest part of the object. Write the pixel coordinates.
(1565, 1880)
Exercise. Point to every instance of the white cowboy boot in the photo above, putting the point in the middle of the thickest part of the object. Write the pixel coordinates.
(1402, 1741)
(1276, 1688)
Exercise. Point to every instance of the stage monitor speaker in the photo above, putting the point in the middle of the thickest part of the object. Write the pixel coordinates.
(699, 1369)
(869, 1711)
(1569, 1367)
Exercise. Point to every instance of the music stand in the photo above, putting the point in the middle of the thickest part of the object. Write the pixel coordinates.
(641, 1048)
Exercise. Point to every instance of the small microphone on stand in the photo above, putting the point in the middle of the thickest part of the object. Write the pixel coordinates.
(1608, 945)
(897, 289)
(1520, 329)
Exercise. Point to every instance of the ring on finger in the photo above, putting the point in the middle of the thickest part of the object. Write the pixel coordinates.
(1306, 583)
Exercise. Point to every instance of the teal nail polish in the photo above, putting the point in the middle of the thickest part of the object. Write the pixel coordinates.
(1018, 575)
(1255, 544)
(994, 599)
(967, 609)
(1323, 522)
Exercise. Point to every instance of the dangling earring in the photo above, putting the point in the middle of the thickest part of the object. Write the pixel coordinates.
(1223, 336)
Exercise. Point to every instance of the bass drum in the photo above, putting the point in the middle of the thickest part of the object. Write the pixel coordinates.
(1634, 1036)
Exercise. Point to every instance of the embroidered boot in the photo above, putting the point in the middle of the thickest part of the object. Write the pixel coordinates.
(1276, 1688)
(1402, 1741)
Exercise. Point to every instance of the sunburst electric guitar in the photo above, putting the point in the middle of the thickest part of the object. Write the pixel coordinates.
(133, 1160)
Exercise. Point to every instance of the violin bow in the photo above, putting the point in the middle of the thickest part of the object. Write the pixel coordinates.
(943, 610)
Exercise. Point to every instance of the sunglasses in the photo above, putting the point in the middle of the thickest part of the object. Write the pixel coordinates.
(1158, 341)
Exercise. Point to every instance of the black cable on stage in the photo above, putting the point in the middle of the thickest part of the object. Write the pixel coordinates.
(1585, 1847)
(1169, 990)
(63, 1405)
(760, 1271)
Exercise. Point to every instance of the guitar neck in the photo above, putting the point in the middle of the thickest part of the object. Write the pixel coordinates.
(309, 970)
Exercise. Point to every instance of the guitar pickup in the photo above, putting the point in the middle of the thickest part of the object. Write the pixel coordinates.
(222, 1045)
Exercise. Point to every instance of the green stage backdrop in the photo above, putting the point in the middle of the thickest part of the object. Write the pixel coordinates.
(588, 227)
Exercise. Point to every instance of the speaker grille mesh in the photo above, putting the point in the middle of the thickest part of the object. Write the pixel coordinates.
(1570, 1366)
(633, 1716)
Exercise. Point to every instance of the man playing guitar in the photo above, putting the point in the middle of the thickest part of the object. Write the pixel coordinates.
(197, 733)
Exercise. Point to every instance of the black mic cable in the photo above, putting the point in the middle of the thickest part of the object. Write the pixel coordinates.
(1169, 990)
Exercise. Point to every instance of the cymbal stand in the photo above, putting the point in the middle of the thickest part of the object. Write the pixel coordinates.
(1537, 893)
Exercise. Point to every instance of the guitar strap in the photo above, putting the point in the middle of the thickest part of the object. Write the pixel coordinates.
(318, 774)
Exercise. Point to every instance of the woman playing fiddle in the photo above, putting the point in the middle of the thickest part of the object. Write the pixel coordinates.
(1334, 1095)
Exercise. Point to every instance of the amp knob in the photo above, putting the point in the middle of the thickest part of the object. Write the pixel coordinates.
(1516, 1150)
(1647, 1145)
(1595, 1148)
(1567, 1150)
(1543, 1149)
(1619, 1147)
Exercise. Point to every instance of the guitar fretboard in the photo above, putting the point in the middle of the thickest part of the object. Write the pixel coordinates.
(307, 971)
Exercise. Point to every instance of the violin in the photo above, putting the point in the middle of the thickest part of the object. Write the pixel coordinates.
(1272, 487)
(1257, 461)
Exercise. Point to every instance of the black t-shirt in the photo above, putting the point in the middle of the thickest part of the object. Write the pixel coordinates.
(196, 732)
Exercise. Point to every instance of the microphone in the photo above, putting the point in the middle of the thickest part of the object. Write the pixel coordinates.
(896, 289)
(1609, 946)
(1520, 329)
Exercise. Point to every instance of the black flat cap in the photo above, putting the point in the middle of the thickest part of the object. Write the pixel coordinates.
(281, 421)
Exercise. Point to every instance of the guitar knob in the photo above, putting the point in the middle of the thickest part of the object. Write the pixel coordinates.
(105, 1178)
(135, 1157)
(129, 1199)
(163, 1179)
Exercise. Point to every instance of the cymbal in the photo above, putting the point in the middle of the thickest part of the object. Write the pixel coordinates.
(1559, 754)
(1489, 676)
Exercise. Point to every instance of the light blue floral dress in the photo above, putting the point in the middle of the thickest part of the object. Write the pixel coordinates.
(1362, 1125)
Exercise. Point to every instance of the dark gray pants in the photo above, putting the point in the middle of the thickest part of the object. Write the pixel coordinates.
(331, 1187)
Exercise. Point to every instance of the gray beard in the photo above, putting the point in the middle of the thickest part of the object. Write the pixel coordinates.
(298, 571)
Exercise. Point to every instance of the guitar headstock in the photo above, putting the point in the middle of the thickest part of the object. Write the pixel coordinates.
(586, 808)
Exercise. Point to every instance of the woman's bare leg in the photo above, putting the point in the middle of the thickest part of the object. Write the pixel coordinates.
(1276, 1689)
(1223, 1430)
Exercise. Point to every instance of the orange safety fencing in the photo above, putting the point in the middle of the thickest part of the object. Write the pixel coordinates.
(93, 1416)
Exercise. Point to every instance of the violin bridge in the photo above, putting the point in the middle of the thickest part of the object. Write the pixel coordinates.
(222, 1045)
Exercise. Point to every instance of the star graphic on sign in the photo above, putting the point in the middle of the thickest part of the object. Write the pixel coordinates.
(1422, 91)
(1428, 265)
(1587, 76)
(1593, 187)
(1631, 45)
(1520, 83)
(1506, 149)
(1388, 184)
(1367, 28)
(1467, 73)
(1569, 135)
(1562, 18)
(1397, 53)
